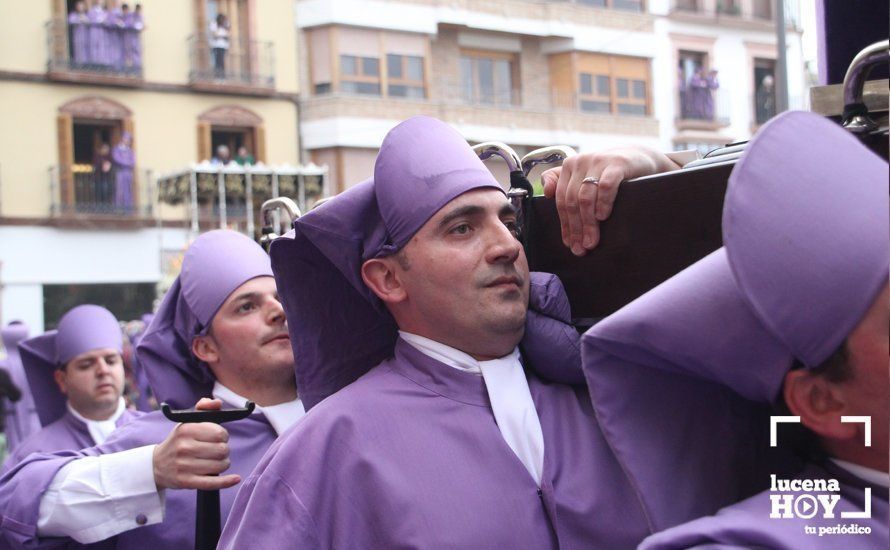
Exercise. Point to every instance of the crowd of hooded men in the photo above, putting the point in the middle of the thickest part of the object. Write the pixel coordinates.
(428, 391)
(106, 36)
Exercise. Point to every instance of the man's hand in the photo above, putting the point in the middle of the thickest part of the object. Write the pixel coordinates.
(582, 206)
(193, 454)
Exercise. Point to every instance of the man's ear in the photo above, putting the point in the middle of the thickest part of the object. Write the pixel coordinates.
(205, 349)
(61, 378)
(383, 278)
(819, 403)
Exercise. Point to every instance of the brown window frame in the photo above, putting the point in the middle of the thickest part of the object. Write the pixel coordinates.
(614, 100)
(493, 56)
(404, 80)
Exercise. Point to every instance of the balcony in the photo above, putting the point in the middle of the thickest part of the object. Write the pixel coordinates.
(93, 53)
(81, 196)
(703, 109)
(739, 13)
(230, 196)
(246, 66)
(624, 5)
(534, 110)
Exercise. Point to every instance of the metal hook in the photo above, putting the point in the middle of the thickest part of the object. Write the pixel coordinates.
(546, 155)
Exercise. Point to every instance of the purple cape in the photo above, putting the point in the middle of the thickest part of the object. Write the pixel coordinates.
(804, 258)
(410, 456)
(748, 523)
(65, 434)
(22, 419)
(22, 486)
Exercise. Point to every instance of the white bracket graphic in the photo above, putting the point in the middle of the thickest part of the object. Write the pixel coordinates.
(774, 420)
(860, 420)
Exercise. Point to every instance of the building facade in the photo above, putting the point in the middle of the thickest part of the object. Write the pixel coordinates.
(586, 73)
(79, 214)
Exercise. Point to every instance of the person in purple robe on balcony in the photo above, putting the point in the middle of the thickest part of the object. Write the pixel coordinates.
(114, 36)
(695, 94)
(76, 375)
(711, 84)
(789, 318)
(124, 160)
(219, 331)
(78, 25)
(97, 35)
(133, 25)
(414, 317)
(22, 420)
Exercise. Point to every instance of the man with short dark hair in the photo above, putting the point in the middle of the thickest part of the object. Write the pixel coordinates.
(422, 339)
(76, 375)
(219, 331)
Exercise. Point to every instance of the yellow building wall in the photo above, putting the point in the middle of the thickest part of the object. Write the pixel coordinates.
(165, 132)
(165, 47)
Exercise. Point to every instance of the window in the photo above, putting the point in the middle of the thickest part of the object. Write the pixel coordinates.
(125, 300)
(360, 75)
(596, 95)
(613, 85)
(762, 9)
(487, 78)
(689, 63)
(404, 75)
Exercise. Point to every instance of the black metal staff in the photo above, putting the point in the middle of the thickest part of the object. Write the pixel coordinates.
(207, 515)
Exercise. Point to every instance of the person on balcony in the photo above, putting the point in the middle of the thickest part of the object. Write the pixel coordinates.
(78, 24)
(114, 36)
(244, 157)
(222, 156)
(711, 84)
(97, 36)
(133, 25)
(124, 159)
(102, 182)
(219, 44)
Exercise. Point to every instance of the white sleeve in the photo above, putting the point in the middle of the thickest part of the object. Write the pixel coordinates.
(96, 497)
(683, 157)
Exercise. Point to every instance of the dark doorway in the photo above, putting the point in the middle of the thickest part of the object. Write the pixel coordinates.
(126, 301)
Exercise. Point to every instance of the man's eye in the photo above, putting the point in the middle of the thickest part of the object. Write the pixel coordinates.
(245, 307)
(461, 229)
(112, 359)
(513, 227)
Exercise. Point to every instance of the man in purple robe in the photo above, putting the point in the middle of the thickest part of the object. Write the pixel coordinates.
(97, 36)
(133, 26)
(124, 159)
(711, 84)
(78, 25)
(114, 35)
(21, 419)
(76, 375)
(219, 331)
(698, 89)
(423, 343)
(789, 319)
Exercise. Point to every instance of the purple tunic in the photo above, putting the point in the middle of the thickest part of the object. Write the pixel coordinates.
(21, 488)
(22, 419)
(748, 523)
(65, 434)
(97, 36)
(698, 89)
(124, 159)
(410, 456)
(132, 41)
(78, 24)
(114, 38)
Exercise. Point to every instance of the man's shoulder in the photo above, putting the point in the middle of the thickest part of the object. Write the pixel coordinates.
(141, 429)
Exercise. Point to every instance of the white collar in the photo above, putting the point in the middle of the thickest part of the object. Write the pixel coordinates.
(100, 429)
(281, 416)
(864, 473)
(453, 357)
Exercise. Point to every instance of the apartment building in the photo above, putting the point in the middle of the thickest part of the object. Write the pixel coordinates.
(80, 218)
(586, 73)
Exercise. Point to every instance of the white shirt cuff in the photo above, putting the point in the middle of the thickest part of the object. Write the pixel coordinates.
(94, 498)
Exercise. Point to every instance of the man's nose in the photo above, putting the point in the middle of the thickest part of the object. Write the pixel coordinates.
(505, 247)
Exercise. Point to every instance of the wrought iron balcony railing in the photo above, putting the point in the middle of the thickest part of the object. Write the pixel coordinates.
(93, 49)
(246, 63)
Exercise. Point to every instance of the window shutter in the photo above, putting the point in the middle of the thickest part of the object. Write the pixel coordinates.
(260, 143)
(204, 144)
(65, 131)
